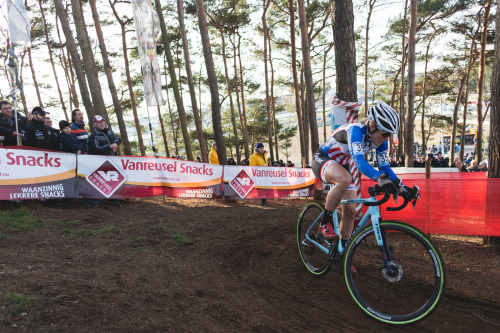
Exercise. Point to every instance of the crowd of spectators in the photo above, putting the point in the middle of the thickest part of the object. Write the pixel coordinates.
(37, 131)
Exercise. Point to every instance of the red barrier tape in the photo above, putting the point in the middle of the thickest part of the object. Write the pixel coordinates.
(450, 203)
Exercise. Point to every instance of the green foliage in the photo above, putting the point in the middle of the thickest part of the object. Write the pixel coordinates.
(182, 239)
(19, 220)
(17, 302)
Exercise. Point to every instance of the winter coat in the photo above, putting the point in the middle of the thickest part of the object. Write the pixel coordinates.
(258, 159)
(39, 135)
(100, 141)
(213, 158)
(11, 127)
(70, 143)
(81, 134)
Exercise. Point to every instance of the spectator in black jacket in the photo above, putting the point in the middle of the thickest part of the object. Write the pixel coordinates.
(38, 134)
(8, 124)
(103, 141)
(434, 162)
(69, 141)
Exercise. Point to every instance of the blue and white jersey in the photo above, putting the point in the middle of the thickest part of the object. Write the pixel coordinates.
(350, 142)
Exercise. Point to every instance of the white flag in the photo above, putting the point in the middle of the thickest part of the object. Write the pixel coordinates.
(147, 27)
(19, 26)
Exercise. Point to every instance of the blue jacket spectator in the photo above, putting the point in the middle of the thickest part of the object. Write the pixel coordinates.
(69, 141)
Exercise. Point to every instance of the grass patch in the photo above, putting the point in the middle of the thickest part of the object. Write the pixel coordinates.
(145, 250)
(19, 220)
(17, 302)
(182, 239)
(141, 238)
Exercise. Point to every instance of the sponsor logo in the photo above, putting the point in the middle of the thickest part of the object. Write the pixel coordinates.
(378, 314)
(40, 161)
(436, 264)
(242, 184)
(197, 193)
(106, 179)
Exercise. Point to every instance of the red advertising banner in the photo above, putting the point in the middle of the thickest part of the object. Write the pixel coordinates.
(128, 177)
(244, 182)
(33, 174)
(451, 203)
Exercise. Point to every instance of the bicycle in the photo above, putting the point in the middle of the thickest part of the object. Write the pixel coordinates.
(399, 275)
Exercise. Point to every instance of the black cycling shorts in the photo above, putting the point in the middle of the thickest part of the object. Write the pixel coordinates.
(319, 164)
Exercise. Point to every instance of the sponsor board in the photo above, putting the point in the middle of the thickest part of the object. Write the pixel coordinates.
(106, 178)
(34, 174)
(267, 182)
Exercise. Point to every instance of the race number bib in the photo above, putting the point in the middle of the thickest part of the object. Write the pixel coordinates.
(382, 159)
(357, 149)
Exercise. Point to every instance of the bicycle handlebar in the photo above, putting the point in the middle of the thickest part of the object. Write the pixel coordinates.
(377, 190)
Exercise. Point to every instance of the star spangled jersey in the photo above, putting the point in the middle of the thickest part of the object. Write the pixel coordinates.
(350, 142)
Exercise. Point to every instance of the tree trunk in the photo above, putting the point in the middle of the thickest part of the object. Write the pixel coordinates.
(129, 79)
(324, 91)
(174, 83)
(472, 59)
(482, 65)
(212, 81)
(345, 51)
(109, 76)
(409, 138)
(68, 72)
(80, 74)
(192, 93)
(494, 147)
(231, 106)
(455, 120)
(247, 150)
(240, 113)
(273, 104)
(88, 61)
(424, 96)
(296, 88)
(308, 76)
(47, 41)
(33, 75)
(163, 133)
(401, 134)
(371, 3)
(266, 4)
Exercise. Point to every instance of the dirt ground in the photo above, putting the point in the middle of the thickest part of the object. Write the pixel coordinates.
(204, 266)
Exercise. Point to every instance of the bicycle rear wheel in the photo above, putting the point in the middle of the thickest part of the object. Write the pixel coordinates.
(411, 289)
(315, 260)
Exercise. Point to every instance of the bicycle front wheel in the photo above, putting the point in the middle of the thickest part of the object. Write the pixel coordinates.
(315, 259)
(410, 288)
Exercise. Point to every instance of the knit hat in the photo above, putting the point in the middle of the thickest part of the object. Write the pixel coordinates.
(259, 145)
(63, 124)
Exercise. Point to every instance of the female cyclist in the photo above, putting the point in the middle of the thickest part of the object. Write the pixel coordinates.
(346, 147)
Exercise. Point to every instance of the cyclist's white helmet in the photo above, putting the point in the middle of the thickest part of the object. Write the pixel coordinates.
(385, 117)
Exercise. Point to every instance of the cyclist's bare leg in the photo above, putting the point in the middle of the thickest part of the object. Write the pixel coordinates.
(336, 174)
(348, 213)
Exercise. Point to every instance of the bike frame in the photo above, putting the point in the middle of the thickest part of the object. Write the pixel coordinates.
(373, 215)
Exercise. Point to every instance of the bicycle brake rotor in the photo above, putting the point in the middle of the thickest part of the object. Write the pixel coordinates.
(394, 273)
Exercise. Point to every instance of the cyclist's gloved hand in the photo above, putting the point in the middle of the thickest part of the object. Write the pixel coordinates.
(388, 184)
(406, 192)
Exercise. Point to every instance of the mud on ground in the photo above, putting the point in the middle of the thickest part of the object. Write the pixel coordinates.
(204, 266)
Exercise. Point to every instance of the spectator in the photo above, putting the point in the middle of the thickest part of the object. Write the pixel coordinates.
(290, 164)
(483, 166)
(48, 122)
(198, 159)
(473, 166)
(454, 164)
(445, 162)
(259, 158)
(78, 128)
(39, 135)
(434, 163)
(460, 166)
(69, 141)
(231, 161)
(441, 160)
(103, 141)
(419, 162)
(213, 158)
(392, 161)
(8, 124)
(245, 162)
(401, 162)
